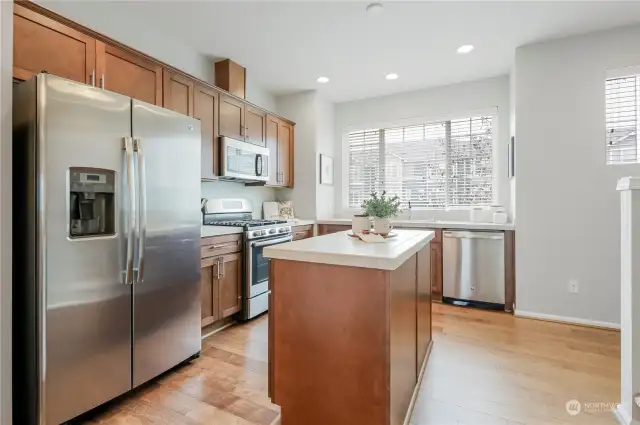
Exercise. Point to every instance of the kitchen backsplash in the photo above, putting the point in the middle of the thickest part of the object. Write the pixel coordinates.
(256, 194)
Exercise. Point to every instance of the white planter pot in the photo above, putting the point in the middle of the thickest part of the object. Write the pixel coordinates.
(360, 224)
(382, 225)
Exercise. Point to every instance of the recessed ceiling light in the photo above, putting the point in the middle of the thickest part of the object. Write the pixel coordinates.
(391, 76)
(322, 80)
(375, 8)
(465, 49)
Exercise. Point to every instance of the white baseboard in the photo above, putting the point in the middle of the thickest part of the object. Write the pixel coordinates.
(623, 417)
(565, 319)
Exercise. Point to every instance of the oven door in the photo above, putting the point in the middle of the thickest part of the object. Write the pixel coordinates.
(257, 265)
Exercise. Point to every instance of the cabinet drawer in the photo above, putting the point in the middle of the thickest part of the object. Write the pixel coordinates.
(301, 232)
(325, 229)
(218, 245)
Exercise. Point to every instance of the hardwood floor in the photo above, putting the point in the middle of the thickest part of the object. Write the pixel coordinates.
(486, 368)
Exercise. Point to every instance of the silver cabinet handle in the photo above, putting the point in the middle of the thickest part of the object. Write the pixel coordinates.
(222, 245)
(219, 275)
(102, 82)
(92, 78)
(128, 148)
(142, 202)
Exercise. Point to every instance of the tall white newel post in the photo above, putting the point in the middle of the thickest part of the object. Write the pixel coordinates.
(628, 412)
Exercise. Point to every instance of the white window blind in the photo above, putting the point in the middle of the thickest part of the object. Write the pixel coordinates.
(433, 165)
(622, 97)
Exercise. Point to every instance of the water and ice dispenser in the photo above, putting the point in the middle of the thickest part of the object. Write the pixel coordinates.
(92, 202)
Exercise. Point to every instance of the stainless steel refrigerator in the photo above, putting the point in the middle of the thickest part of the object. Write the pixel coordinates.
(106, 246)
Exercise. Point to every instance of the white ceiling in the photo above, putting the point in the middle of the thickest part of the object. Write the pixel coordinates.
(285, 46)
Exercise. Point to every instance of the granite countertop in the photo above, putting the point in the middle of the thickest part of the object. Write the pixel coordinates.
(340, 249)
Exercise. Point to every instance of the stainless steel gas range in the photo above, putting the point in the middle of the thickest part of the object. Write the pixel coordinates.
(258, 234)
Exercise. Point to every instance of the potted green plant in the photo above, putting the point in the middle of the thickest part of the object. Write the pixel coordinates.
(382, 209)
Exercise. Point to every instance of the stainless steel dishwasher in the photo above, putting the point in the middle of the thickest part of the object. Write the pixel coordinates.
(473, 268)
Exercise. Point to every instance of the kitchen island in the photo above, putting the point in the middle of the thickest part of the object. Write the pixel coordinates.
(349, 327)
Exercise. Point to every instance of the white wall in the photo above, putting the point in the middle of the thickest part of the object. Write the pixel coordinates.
(314, 120)
(145, 37)
(256, 194)
(325, 143)
(6, 71)
(429, 103)
(568, 223)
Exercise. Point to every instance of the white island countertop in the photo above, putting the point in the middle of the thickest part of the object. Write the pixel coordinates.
(342, 250)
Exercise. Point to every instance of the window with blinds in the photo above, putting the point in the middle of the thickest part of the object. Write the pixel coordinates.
(434, 165)
(622, 96)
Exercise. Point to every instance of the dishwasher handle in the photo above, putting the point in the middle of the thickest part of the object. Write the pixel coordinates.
(474, 235)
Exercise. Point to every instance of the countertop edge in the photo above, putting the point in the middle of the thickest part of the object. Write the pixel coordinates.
(417, 224)
(347, 260)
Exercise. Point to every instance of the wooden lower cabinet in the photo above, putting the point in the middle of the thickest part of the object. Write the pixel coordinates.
(230, 284)
(325, 229)
(301, 232)
(210, 311)
(221, 278)
(436, 271)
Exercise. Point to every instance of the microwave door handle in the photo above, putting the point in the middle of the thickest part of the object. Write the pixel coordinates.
(142, 201)
(258, 164)
(128, 148)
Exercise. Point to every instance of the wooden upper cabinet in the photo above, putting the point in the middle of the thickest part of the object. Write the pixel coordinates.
(177, 92)
(127, 73)
(231, 117)
(285, 153)
(273, 125)
(230, 285)
(255, 126)
(206, 104)
(42, 44)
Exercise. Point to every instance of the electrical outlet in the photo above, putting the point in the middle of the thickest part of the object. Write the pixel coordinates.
(574, 286)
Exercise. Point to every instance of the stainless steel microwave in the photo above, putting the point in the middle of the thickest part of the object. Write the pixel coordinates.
(243, 161)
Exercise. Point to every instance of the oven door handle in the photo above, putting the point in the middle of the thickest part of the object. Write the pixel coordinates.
(270, 242)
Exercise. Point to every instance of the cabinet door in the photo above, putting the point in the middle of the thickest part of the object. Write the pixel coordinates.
(177, 93)
(230, 285)
(436, 271)
(254, 126)
(206, 104)
(209, 291)
(273, 126)
(285, 153)
(231, 117)
(42, 44)
(129, 74)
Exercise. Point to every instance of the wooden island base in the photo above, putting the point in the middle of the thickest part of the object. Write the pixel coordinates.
(347, 343)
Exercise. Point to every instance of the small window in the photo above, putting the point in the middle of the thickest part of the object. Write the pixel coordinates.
(622, 98)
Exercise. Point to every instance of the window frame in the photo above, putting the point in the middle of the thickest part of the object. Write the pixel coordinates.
(344, 169)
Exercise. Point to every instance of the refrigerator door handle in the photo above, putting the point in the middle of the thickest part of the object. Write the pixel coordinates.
(142, 199)
(128, 147)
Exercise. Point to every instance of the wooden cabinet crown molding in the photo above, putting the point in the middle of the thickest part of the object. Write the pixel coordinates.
(107, 40)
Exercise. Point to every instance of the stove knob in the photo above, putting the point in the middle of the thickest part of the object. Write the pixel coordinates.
(272, 231)
(282, 230)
